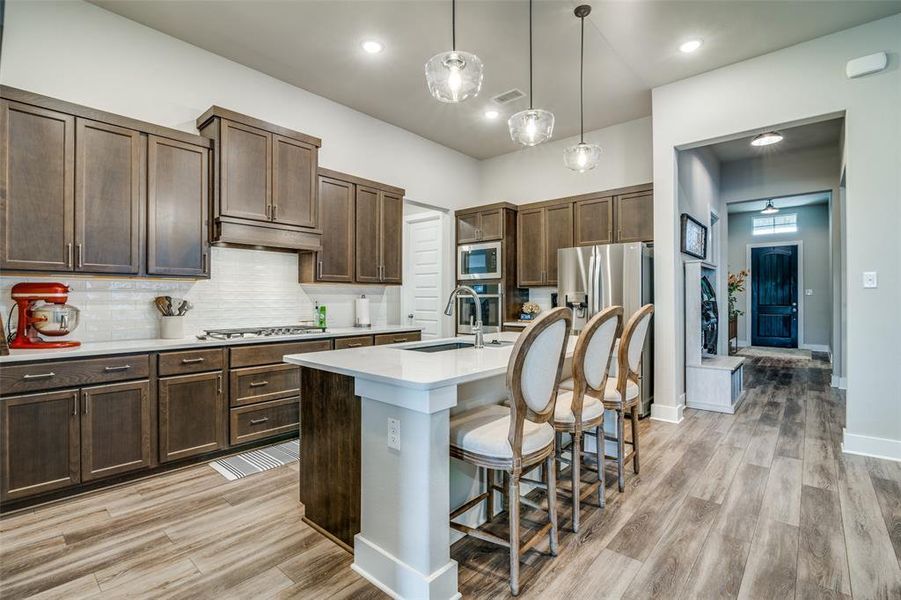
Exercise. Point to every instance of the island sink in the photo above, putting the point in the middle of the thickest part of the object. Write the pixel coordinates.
(445, 346)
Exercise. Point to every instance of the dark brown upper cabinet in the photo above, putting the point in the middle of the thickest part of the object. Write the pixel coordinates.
(76, 183)
(108, 197)
(265, 188)
(362, 232)
(635, 217)
(541, 232)
(115, 429)
(593, 221)
(482, 225)
(37, 182)
(39, 443)
(178, 208)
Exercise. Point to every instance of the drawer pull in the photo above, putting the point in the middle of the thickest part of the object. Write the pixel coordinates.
(258, 421)
(357, 345)
(191, 361)
(258, 383)
(118, 368)
(398, 340)
(39, 375)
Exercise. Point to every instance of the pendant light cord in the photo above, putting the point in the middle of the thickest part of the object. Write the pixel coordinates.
(531, 103)
(454, 25)
(581, 80)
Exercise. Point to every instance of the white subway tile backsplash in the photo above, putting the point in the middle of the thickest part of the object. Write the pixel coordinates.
(247, 288)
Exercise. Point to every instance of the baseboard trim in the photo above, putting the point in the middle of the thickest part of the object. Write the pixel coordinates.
(865, 445)
(840, 382)
(816, 348)
(667, 413)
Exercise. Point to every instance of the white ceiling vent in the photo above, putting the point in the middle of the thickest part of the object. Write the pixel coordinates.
(508, 96)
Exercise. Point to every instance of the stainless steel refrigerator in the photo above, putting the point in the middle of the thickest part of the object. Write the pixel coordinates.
(591, 278)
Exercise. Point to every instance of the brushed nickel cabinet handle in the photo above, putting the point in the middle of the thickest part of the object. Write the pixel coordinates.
(268, 211)
(258, 421)
(275, 212)
(219, 384)
(258, 383)
(399, 340)
(319, 269)
(203, 260)
(191, 361)
(357, 345)
(79, 253)
(84, 403)
(39, 375)
(75, 405)
(118, 368)
(69, 255)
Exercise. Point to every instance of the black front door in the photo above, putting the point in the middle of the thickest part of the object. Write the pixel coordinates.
(774, 296)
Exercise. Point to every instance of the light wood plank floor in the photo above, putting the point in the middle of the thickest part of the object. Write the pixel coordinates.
(761, 504)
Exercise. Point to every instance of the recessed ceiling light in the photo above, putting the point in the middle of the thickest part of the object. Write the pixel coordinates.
(765, 139)
(690, 46)
(491, 114)
(372, 46)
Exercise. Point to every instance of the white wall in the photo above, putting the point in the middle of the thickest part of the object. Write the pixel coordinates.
(537, 173)
(813, 232)
(777, 89)
(81, 53)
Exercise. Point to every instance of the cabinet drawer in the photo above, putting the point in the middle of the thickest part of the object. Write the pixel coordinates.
(397, 338)
(268, 354)
(250, 423)
(353, 342)
(259, 384)
(49, 375)
(191, 361)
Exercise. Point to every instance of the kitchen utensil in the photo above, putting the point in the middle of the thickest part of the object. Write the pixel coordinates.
(53, 318)
(160, 303)
(169, 311)
(184, 307)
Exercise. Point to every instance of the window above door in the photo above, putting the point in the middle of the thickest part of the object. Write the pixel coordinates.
(773, 224)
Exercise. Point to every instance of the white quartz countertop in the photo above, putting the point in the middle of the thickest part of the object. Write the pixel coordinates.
(157, 345)
(396, 365)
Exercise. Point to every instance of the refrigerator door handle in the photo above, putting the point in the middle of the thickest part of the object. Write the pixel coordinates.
(592, 293)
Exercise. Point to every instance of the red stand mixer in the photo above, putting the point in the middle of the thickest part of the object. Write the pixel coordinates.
(43, 309)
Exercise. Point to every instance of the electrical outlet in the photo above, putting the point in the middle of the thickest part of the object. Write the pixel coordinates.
(808, 292)
(394, 433)
(869, 279)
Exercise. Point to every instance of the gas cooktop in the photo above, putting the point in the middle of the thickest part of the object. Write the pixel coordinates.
(252, 332)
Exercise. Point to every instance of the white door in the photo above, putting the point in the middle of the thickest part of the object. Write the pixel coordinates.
(423, 305)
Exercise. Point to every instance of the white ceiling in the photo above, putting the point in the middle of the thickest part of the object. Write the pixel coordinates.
(813, 135)
(780, 203)
(630, 47)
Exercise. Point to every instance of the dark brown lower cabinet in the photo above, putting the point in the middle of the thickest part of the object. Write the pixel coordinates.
(191, 414)
(115, 429)
(39, 443)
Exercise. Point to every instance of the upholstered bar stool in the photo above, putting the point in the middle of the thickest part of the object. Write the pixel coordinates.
(623, 392)
(517, 439)
(581, 409)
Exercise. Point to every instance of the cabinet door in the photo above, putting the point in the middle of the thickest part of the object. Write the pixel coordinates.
(115, 429)
(294, 185)
(559, 234)
(335, 262)
(593, 221)
(39, 443)
(108, 198)
(177, 208)
(391, 237)
(491, 224)
(37, 182)
(367, 267)
(531, 242)
(635, 217)
(191, 415)
(468, 228)
(246, 179)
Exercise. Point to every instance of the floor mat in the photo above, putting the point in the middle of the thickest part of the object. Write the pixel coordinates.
(257, 461)
(775, 352)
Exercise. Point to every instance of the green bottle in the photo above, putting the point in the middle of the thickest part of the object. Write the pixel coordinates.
(320, 317)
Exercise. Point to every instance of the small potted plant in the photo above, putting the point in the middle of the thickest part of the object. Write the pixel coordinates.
(736, 284)
(529, 310)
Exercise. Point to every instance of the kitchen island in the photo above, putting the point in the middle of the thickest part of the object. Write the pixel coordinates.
(375, 470)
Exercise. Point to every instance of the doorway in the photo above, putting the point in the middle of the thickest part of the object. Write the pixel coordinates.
(424, 272)
(775, 272)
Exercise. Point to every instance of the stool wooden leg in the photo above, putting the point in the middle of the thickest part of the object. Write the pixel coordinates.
(576, 476)
(620, 448)
(506, 485)
(513, 495)
(634, 417)
(552, 502)
(600, 450)
(489, 481)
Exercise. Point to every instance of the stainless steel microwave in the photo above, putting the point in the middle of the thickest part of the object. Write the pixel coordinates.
(479, 261)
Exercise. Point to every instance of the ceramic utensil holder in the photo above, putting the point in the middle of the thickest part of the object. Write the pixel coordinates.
(172, 328)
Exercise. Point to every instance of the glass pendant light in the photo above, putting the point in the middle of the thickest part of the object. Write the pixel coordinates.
(769, 209)
(535, 125)
(582, 157)
(454, 76)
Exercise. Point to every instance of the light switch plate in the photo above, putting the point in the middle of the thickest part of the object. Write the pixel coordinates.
(393, 433)
(808, 292)
(870, 280)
